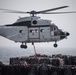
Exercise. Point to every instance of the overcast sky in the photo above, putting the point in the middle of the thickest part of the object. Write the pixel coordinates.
(67, 22)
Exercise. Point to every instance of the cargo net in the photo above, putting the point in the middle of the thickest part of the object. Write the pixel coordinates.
(40, 65)
(54, 60)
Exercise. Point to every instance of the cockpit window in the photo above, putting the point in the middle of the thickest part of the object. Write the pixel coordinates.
(53, 27)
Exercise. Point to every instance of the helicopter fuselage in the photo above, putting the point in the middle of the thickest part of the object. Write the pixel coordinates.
(32, 29)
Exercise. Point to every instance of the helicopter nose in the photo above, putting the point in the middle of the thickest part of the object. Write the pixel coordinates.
(64, 35)
(67, 34)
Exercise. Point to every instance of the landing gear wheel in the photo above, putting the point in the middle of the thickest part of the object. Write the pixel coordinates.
(55, 45)
(23, 46)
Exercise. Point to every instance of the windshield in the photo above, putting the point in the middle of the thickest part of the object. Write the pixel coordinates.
(54, 27)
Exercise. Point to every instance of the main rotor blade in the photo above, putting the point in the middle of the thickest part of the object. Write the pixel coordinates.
(12, 11)
(52, 9)
(59, 12)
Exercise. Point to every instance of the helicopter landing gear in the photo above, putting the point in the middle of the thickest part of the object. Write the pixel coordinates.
(23, 46)
(55, 45)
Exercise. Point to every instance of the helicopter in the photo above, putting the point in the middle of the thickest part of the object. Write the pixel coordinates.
(33, 29)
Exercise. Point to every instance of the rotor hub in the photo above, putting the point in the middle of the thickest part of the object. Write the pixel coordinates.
(33, 12)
